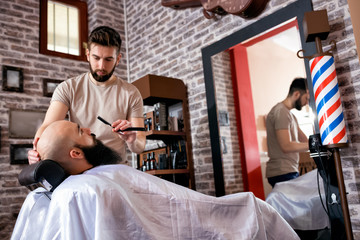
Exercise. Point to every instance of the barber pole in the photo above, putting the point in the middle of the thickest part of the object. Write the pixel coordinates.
(327, 99)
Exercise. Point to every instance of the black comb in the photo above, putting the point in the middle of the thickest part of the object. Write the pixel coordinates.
(128, 129)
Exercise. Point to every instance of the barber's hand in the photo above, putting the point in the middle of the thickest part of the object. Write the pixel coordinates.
(33, 155)
(128, 136)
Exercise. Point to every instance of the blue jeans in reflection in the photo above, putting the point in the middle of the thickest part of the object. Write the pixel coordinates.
(282, 178)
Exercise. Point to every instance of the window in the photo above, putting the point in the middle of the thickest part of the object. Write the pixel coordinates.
(63, 28)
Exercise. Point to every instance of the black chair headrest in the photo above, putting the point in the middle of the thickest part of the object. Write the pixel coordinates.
(46, 173)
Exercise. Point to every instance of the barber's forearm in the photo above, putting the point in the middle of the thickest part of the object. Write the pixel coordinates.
(56, 111)
(295, 147)
(40, 131)
(288, 146)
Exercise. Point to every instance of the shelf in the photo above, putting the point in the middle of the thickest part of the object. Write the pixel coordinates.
(158, 88)
(150, 101)
(171, 91)
(168, 171)
(164, 132)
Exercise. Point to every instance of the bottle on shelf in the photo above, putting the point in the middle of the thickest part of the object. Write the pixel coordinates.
(143, 167)
(163, 161)
(173, 156)
(148, 121)
(161, 116)
(148, 159)
(153, 161)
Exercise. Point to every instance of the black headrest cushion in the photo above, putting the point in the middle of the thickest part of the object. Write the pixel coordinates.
(47, 173)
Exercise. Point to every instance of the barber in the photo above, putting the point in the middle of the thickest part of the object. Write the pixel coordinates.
(99, 93)
(284, 137)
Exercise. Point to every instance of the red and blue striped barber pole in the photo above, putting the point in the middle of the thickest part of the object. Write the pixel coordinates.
(327, 99)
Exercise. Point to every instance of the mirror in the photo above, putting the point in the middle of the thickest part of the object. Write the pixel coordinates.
(243, 174)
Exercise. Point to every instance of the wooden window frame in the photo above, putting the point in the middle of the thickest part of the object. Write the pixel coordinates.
(83, 29)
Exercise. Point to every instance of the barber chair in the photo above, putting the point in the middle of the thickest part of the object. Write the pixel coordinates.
(47, 174)
(325, 163)
(41, 178)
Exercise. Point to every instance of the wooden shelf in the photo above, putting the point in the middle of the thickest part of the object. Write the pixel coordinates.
(154, 89)
(164, 134)
(168, 171)
(150, 101)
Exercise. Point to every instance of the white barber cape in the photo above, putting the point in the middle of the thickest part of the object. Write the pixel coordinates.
(120, 202)
(299, 203)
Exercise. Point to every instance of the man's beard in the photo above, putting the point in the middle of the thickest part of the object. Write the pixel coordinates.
(99, 154)
(298, 105)
(102, 78)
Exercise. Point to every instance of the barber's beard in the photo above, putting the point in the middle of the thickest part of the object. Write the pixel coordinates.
(99, 154)
(298, 105)
(102, 78)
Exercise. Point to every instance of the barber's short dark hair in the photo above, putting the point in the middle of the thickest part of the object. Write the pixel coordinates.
(298, 84)
(105, 36)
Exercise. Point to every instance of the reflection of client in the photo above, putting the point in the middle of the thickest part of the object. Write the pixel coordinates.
(284, 137)
(119, 202)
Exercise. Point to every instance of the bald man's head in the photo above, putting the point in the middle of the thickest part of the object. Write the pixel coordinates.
(55, 141)
(74, 148)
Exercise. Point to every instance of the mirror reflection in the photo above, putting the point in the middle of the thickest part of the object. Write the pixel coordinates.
(229, 140)
(272, 64)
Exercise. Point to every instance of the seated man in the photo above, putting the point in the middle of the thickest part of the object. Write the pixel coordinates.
(120, 202)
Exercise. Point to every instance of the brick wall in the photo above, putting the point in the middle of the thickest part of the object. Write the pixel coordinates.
(233, 182)
(19, 34)
(165, 42)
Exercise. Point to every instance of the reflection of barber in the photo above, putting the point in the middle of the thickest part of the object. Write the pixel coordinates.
(284, 137)
(99, 93)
